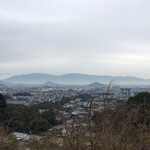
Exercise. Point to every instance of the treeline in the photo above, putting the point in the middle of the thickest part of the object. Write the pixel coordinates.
(22, 94)
(28, 118)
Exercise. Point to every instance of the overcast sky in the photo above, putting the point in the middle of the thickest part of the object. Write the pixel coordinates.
(102, 37)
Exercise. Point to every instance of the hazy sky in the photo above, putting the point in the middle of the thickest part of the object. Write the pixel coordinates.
(102, 37)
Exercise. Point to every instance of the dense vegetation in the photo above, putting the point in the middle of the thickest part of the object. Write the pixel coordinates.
(28, 118)
(84, 96)
(23, 94)
(2, 101)
(65, 100)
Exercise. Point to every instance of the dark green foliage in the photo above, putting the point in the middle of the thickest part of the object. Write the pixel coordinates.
(84, 96)
(39, 125)
(140, 99)
(2, 101)
(26, 118)
(65, 100)
(46, 105)
(49, 116)
(142, 102)
(22, 94)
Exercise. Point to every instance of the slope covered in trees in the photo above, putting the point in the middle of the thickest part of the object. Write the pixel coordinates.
(27, 118)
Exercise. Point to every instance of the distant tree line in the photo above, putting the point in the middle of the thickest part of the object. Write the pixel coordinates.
(22, 94)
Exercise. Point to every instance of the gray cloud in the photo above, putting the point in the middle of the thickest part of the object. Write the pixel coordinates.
(63, 36)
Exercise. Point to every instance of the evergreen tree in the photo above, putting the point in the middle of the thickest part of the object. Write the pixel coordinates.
(2, 101)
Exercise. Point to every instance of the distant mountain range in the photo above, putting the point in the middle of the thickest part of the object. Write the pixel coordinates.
(74, 79)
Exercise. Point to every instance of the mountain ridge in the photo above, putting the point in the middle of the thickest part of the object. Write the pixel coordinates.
(74, 78)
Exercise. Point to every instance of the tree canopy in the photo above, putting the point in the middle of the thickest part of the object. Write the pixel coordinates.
(2, 101)
(25, 118)
(142, 98)
(141, 102)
